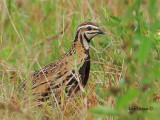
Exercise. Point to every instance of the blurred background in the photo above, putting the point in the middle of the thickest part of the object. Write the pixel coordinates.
(125, 63)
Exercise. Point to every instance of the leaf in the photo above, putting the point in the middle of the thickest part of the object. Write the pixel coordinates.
(144, 49)
(103, 110)
(5, 52)
(110, 23)
(154, 72)
(129, 12)
(142, 27)
(75, 20)
(104, 42)
(123, 100)
(47, 7)
(152, 4)
(107, 10)
(118, 19)
(101, 93)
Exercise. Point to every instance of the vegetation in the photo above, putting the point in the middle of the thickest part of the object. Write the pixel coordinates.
(125, 63)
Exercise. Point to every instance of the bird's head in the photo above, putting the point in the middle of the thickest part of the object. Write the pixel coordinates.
(86, 31)
(89, 30)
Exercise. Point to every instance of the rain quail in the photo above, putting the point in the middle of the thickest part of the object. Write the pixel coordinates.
(69, 73)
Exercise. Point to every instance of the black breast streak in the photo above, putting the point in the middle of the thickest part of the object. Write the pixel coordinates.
(73, 80)
(84, 75)
(84, 71)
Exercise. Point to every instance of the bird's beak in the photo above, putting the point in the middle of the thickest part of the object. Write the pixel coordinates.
(100, 31)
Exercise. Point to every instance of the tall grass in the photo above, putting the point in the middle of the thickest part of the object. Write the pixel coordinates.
(125, 66)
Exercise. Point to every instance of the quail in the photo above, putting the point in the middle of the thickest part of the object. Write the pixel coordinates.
(69, 73)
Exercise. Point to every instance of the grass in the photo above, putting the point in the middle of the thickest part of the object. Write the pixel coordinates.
(125, 66)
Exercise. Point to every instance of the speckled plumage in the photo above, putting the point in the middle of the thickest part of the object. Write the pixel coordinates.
(70, 72)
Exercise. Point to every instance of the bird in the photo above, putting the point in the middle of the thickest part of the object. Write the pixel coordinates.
(70, 72)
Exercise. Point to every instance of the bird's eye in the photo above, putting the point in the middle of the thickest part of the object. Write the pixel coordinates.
(89, 28)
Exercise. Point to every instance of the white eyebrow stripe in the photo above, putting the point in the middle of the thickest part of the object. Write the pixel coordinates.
(85, 26)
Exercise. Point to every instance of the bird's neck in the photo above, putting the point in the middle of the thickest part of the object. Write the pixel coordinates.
(80, 45)
(79, 50)
(81, 40)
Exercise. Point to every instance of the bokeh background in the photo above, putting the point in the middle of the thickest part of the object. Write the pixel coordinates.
(124, 81)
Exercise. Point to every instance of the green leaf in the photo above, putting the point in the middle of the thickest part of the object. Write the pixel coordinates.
(103, 110)
(124, 100)
(5, 52)
(154, 72)
(152, 4)
(75, 20)
(144, 49)
(107, 10)
(47, 7)
(111, 23)
(101, 93)
(118, 19)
